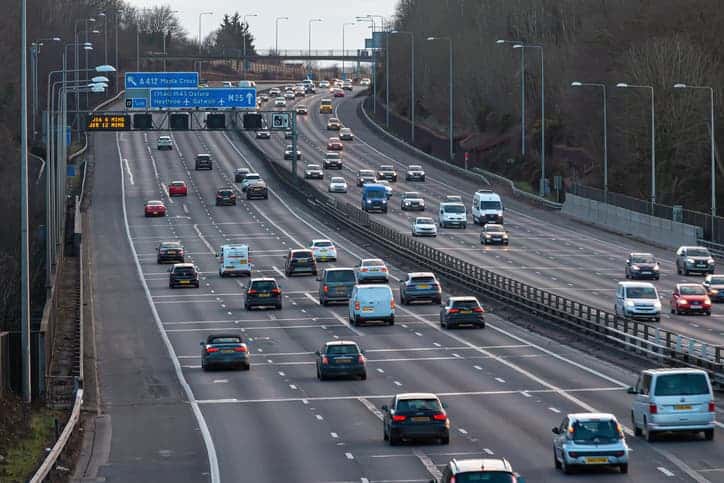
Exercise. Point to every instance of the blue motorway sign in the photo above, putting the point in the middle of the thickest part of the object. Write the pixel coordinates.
(148, 80)
(219, 98)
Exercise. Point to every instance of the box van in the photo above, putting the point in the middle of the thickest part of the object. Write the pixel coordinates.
(452, 214)
(326, 107)
(638, 300)
(234, 260)
(673, 400)
(374, 197)
(487, 207)
(371, 302)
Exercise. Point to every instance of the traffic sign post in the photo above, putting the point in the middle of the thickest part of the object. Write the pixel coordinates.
(213, 98)
(280, 121)
(151, 80)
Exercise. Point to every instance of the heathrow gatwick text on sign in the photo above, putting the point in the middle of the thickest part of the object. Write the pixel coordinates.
(217, 98)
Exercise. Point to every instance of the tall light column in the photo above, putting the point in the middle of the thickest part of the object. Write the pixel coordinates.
(35, 56)
(412, 81)
(200, 42)
(522, 92)
(712, 139)
(542, 183)
(605, 130)
(371, 20)
(345, 24)
(244, 22)
(309, 51)
(387, 80)
(276, 33)
(451, 87)
(653, 139)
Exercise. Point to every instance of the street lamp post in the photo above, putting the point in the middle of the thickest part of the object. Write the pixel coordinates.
(276, 33)
(35, 55)
(243, 54)
(542, 183)
(164, 33)
(451, 88)
(77, 53)
(345, 24)
(522, 92)
(713, 150)
(200, 43)
(105, 37)
(412, 81)
(653, 139)
(309, 51)
(370, 18)
(605, 131)
(24, 222)
(387, 80)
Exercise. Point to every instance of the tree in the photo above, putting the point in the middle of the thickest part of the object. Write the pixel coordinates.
(233, 34)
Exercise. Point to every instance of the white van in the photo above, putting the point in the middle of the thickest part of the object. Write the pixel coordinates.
(234, 260)
(678, 399)
(638, 300)
(371, 302)
(487, 207)
(452, 214)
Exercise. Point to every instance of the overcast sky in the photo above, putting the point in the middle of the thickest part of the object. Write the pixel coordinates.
(293, 33)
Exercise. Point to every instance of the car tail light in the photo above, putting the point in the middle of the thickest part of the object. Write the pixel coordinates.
(478, 310)
(276, 291)
(439, 417)
(392, 303)
(181, 252)
(240, 349)
(653, 409)
(383, 269)
(712, 407)
(363, 270)
(212, 349)
(453, 311)
(398, 418)
(573, 454)
(251, 291)
(618, 454)
(361, 359)
(325, 360)
(356, 305)
(325, 289)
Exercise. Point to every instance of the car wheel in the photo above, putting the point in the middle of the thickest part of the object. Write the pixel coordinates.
(445, 439)
(246, 367)
(709, 434)
(565, 467)
(394, 440)
(322, 377)
(672, 310)
(279, 306)
(465, 225)
(685, 271)
(247, 307)
(158, 260)
(323, 301)
(363, 376)
(650, 435)
(384, 435)
(624, 468)
(637, 430)
(556, 463)
(657, 319)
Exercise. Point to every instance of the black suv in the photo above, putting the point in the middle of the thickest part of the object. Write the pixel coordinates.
(225, 196)
(170, 252)
(203, 161)
(240, 174)
(365, 176)
(387, 171)
(263, 292)
(183, 275)
(300, 261)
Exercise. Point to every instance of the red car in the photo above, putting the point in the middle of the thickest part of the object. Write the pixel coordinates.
(690, 297)
(155, 208)
(338, 93)
(334, 144)
(178, 188)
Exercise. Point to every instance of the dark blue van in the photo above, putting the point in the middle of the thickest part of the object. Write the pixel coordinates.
(374, 198)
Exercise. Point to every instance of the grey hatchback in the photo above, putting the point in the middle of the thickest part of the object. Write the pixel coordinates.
(336, 284)
(263, 292)
(462, 311)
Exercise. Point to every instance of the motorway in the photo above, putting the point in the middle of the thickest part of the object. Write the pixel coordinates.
(505, 387)
(546, 250)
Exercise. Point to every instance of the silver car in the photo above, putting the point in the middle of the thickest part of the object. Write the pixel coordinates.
(589, 439)
(694, 260)
(424, 226)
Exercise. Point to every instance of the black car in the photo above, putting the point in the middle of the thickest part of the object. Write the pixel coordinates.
(257, 190)
(462, 311)
(387, 171)
(263, 134)
(420, 286)
(203, 161)
(170, 252)
(365, 176)
(642, 265)
(240, 174)
(288, 153)
(313, 171)
(225, 196)
(341, 358)
(415, 416)
(300, 261)
(493, 233)
(332, 160)
(263, 292)
(224, 350)
(183, 275)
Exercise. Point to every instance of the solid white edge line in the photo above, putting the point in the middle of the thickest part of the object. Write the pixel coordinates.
(205, 433)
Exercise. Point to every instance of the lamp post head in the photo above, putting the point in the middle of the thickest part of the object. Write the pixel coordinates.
(680, 86)
(91, 19)
(518, 46)
(431, 38)
(621, 84)
(576, 84)
(500, 41)
(105, 68)
(87, 47)
(95, 31)
(100, 78)
(56, 39)
(101, 14)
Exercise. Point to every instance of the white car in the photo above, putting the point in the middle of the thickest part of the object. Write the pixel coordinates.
(345, 134)
(386, 184)
(589, 440)
(365, 82)
(424, 226)
(638, 300)
(337, 185)
(412, 200)
(263, 134)
(324, 250)
(280, 102)
(289, 95)
(323, 84)
(415, 173)
(250, 179)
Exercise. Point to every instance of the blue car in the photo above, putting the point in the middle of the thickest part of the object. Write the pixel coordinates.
(341, 358)
(224, 350)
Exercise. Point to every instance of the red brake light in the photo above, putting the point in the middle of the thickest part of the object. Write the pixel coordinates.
(240, 349)
(712, 407)
(363, 270)
(212, 349)
(356, 305)
(439, 417)
(325, 360)
(251, 291)
(392, 303)
(453, 311)
(618, 454)
(361, 360)
(325, 289)
(276, 291)
(398, 418)
(653, 409)
(478, 310)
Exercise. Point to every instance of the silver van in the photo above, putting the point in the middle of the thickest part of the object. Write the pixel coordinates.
(673, 400)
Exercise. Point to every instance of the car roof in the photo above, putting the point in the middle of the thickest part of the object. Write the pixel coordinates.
(461, 298)
(689, 284)
(203, 154)
(416, 395)
(183, 265)
(312, 164)
(295, 250)
(590, 416)
(423, 218)
(321, 240)
(178, 181)
(339, 269)
(478, 464)
(225, 188)
(636, 284)
(386, 166)
(674, 370)
(156, 202)
(641, 254)
(262, 279)
(452, 203)
(170, 243)
(420, 274)
(340, 342)
(372, 260)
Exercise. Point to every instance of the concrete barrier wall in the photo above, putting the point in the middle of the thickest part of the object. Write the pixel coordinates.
(644, 227)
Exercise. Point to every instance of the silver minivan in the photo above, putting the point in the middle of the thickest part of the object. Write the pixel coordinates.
(673, 400)
(637, 300)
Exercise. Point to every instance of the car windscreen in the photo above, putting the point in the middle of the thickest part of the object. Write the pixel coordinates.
(681, 385)
(302, 254)
(641, 293)
(333, 156)
(341, 276)
(454, 209)
(642, 259)
(465, 304)
(185, 271)
(418, 280)
(386, 168)
(491, 205)
(487, 477)
(697, 252)
(225, 340)
(313, 166)
(414, 405)
(411, 194)
(376, 194)
(365, 172)
(601, 431)
(263, 285)
(717, 280)
(692, 290)
(414, 167)
(337, 180)
(342, 349)
(493, 228)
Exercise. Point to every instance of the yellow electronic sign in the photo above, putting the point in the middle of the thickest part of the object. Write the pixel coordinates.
(109, 122)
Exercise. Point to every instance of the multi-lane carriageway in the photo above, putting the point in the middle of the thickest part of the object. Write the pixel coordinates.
(505, 387)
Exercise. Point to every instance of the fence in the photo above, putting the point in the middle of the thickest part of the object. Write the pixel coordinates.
(642, 338)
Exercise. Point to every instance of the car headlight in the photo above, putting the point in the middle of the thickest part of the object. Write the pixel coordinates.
(505, 236)
(422, 202)
(487, 236)
(407, 202)
(629, 303)
(369, 201)
(384, 201)
(689, 260)
(657, 305)
(711, 261)
(656, 267)
(635, 267)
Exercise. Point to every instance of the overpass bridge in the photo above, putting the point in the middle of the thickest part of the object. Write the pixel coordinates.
(359, 55)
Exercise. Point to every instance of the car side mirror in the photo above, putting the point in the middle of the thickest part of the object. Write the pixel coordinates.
(444, 405)
(631, 390)
(202, 343)
(556, 430)
(317, 353)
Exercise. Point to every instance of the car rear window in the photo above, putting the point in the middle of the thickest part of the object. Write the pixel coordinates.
(486, 476)
(341, 276)
(422, 280)
(313, 166)
(681, 385)
(601, 431)
(264, 285)
(414, 167)
(412, 405)
(178, 183)
(641, 293)
(172, 245)
(203, 157)
(323, 244)
(373, 263)
(225, 340)
(692, 290)
(697, 252)
(302, 254)
(184, 271)
(465, 304)
(342, 349)
(225, 192)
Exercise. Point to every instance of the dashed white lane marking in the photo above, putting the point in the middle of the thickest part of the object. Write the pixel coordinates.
(311, 297)
(436, 344)
(221, 381)
(380, 370)
(457, 355)
(276, 269)
(349, 456)
(478, 368)
(525, 394)
(292, 386)
(418, 334)
(427, 463)
(462, 431)
(128, 170)
(186, 208)
(347, 324)
(665, 471)
(499, 379)
(304, 401)
(557, 411)
(319, 417)
(488, 451)
(364, 480)
(334, 435)
(201, 236)
(281, 373)
(371, 407)
(397, 383)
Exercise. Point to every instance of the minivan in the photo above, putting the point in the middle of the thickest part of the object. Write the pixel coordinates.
(371, 302)
(452, 214)
(336, 284)
(638, 300)
(234, 260)
(374, 198)
(487, 207)
(678, 399)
